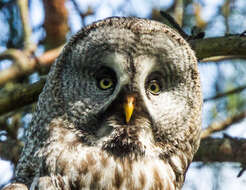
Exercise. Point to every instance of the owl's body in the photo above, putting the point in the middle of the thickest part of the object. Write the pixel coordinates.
(121, 109)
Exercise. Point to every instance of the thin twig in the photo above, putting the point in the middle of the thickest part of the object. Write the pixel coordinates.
(222, 58)
(200, 22)
(82, 15)
(178, 12)
(223, 94)
(26, 65)
(226, 13)
(27, 32)
(174, 24)
(17, 56)
(219, 126)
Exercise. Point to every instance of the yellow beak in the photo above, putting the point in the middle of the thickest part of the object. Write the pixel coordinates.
(129, 107)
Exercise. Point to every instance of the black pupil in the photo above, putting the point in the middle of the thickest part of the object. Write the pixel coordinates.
(106, 82)
(153, 87)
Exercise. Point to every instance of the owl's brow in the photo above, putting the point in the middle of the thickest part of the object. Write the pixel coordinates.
(185, 52)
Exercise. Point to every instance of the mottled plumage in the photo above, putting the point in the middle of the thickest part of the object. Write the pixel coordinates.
(121, 109)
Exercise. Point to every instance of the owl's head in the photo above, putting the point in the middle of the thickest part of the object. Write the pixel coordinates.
(131, 86)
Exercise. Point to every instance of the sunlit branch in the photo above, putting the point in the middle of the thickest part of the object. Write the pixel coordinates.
(27, 31)
(179, 11)
(25, 65)
(219, 126)
(222, 58)
(197, 8)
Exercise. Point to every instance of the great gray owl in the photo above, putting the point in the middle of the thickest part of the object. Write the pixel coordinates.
(121, 109)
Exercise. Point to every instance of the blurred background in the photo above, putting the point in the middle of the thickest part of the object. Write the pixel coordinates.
(33, 32)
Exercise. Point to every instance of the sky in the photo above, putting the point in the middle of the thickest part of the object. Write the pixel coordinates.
(197, 177)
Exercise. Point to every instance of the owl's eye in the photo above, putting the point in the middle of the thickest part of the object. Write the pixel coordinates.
(154, 87)
(106, 83)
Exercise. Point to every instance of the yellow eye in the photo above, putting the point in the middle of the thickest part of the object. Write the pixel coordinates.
(105, 83)
(154, 87)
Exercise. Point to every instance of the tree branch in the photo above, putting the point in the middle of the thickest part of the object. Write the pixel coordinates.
(55, 23)
(25, 65)
(10, 150)
(223, 94)
(234, 45)
(82, 15)
(219, 126)
(19, 98)
(222, 58)
(222, 150)
(179, 12)
(18, 57)
(27, 32)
